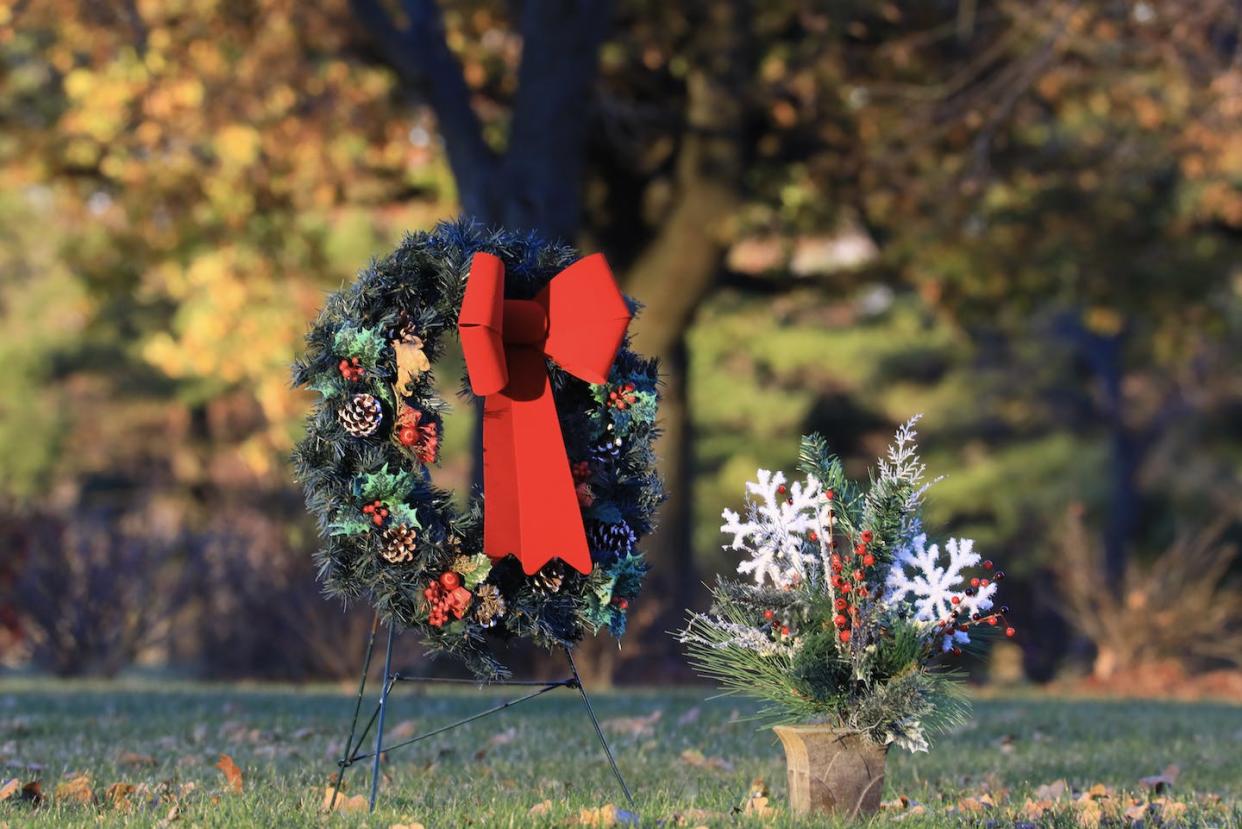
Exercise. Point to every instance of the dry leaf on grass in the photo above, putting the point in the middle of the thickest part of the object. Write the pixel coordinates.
(130, 758)
(76, 789)
(696, 758)
(10, 788)
(540, 809)
(757, 802)
(342, 803)
(413, 825)
(1052, 791)
(1159, 782)
(404, 730)
(606, 815)
(117, 796)
(634, 726)
(232, 774)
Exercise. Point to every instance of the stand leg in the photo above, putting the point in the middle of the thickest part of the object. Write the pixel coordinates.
(599, 732)
(353, 726)
(379, 726)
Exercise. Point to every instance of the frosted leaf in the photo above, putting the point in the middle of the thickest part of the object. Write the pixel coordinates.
(775, 530)
(923, 577)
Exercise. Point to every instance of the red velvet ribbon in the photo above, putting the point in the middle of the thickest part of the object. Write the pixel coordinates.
(530, 508)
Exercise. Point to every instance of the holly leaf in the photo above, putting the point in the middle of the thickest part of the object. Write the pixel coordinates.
(402, 513)
(350, 525)
(386, 486)
(329, 385)
(364, 343)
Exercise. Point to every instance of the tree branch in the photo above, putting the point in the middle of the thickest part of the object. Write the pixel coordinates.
(420, 56)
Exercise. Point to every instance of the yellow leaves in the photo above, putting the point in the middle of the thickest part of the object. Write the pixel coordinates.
(14, 786)
(643, 726)
(232, 774)
(77, 790)
(336, 801)
(694, 757)
(758, 800)
(237, 145)
(606, 815)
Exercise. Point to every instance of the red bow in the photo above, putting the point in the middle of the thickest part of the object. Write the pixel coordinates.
(530, 506)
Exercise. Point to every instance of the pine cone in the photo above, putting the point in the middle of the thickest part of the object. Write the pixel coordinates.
(489, 605)
(361, 416)
(398, 544)
(550, 578)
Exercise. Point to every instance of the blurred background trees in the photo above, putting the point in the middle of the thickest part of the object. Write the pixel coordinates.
(1020, 218)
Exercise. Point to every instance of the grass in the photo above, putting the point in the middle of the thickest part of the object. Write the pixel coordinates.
(491, 773)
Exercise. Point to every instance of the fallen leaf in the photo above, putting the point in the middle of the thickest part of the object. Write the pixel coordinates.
(173, 815)
(1135, 813)
(10, 788)
(1170, 810)
(232, 774)
(1034, 809)
(32, 792)
(77, 789)
(696, 758)
(130, 758)
(117, 795)
(974, 804)
(1052, 791)
(540, 809)
(603, 816)
(1097, 792)
(414, 825)
(1159, 782)
(757, 801)
(343, 803)
(634, 726)
(404, 730)
(1089, 813)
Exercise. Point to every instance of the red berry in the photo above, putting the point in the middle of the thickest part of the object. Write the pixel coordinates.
(984, 582)
(784, 630)
(835, 560)
(768, 614)
(450, 580)
(840, 621)
(860, 550)
(781, 489)
(858, 575)
(841, 604)
(845, 635)
(829, 494)
(867, 535)
(814, 536)
(956, 600)
(845, 588)
(987, 564)
(974, 582)
(1010, 632)
(377, 519)
(957, 651)
(868, 560)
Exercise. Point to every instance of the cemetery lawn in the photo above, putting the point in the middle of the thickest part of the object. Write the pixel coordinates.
(139, 753)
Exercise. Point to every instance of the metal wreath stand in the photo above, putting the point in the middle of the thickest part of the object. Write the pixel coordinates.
(353, 747)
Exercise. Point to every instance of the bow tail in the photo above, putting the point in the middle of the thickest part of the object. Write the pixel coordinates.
(532, 508)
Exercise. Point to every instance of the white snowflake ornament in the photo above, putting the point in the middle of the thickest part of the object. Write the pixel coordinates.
(919, 575)
(776, 528)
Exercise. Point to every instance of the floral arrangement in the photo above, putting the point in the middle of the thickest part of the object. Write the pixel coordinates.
(850, 616)
(390, 536)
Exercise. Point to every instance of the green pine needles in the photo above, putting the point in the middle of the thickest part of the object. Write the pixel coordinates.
(390, 536)
(849, 616)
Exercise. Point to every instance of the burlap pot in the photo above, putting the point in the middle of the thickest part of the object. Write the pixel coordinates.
(832, 771)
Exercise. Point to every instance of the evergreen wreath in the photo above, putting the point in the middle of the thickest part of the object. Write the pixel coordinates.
(389, 534)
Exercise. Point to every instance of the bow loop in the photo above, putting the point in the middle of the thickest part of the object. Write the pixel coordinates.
(480, 324)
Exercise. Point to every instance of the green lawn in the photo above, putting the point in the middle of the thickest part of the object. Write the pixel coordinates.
(164, 737)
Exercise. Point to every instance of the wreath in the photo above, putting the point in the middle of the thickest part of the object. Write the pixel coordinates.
(390, 535)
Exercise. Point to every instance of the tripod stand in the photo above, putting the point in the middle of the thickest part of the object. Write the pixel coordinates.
(353, 743)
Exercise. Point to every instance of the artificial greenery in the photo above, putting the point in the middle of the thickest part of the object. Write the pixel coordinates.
(850, 615)
(357, 485)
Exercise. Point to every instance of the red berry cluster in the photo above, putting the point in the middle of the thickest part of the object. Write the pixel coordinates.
(351, 370)
(422, 438)
(377, 511)
(778, 626)
(849, 578)
(445, 596)
(622, 397)
(994, 619)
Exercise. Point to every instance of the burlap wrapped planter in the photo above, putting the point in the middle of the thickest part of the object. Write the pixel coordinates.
(832, 771)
